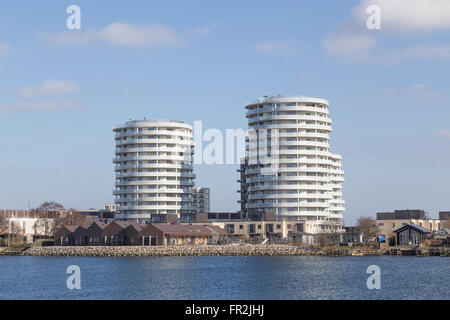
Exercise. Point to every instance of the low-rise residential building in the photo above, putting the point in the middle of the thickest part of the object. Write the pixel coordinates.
(243, 230)
(113, 234)
(387, 227)
(64, 236)
(444, 215)
(411, 234)
(80, 236)
(131, 233)
(352, 235)
(176, 234)
(34, 224)
(28, 224)
(402, 215)
(388, 222)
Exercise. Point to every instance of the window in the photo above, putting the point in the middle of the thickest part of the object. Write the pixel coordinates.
(278, 226)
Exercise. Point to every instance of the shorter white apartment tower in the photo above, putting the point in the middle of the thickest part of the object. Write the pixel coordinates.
(303, 179)
(154, 172)
(201, 199)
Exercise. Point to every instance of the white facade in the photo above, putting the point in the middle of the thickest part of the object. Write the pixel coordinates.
(30, 227)
(305, 180)
(154, 172)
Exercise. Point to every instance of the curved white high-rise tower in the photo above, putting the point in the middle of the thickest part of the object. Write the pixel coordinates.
(154, 172)
(305, 179)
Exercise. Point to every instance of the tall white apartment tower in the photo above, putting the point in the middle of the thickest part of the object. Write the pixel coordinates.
(154, 172)
(305, 179)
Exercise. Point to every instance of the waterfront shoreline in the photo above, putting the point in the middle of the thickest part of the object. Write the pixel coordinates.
(225, 250)
(220, 250)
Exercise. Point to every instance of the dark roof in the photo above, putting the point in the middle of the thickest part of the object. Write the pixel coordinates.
(137, 226)
(217, 229)
(414, 227)
(81, 230)
(182, 229)
(101, 224)
(116, 227)
(124, 224)
(71, 228)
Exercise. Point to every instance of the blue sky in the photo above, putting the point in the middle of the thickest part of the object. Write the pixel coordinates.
(63, 90)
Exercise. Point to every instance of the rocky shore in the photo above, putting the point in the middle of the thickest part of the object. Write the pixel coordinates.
(219, 250)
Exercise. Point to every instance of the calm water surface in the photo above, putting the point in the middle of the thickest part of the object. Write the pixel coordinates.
(225, 278)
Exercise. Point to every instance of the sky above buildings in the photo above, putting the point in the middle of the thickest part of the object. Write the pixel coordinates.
(63, 90)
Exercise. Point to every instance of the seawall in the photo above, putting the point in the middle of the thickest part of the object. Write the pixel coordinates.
(198, 250)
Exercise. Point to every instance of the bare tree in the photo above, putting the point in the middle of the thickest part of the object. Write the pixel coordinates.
(43, 226)
(16, 233)
(368, 227)
(48, 214)
(4, 226)
(50, 206)
(322, 239)
(70, 218)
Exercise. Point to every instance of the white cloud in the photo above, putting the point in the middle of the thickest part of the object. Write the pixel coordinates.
(280, 47)
(49, 87)
(407, 15)
(122, 34)
(353, 41)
